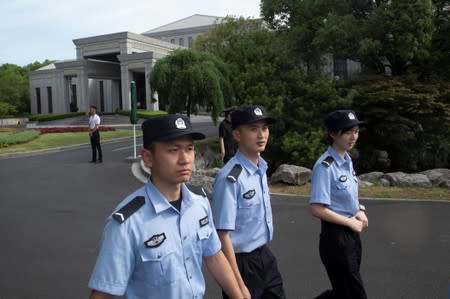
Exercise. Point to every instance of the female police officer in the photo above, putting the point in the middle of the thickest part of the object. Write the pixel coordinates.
(334, 200)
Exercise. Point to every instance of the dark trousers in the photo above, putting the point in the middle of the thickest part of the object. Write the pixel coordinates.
(260, 273)
(340, 252)
(95, 145)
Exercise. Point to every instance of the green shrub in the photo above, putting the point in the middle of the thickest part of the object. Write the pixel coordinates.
(9, 138)
(7, 109)
(50, 117)
(143, 113)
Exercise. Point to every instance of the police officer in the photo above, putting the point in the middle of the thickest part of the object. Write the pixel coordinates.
(94, 134)
(242, 209)
(154, 242)
(334, 200)
(227, 145)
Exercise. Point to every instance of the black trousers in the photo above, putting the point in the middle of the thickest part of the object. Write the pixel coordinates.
(259, 270)
(95, 145)
(340, 252)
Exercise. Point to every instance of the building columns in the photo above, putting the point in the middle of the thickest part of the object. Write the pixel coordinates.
(151, 106)
(126, 78)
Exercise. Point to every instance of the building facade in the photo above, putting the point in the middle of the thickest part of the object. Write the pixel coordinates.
(105, 66)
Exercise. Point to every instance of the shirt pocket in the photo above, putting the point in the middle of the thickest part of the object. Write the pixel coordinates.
(158, 267)
(248, 209)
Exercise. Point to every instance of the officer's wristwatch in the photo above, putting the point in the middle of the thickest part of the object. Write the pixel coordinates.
(362, 208)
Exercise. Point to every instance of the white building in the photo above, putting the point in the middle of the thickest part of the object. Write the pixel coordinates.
(105, 65)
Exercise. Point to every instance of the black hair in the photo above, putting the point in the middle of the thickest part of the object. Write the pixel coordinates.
(338, 132)
(95, 107)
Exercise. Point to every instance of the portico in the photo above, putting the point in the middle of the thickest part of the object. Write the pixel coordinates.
(100, 76)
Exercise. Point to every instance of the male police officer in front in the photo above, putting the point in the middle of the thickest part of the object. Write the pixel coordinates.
(154, 242)
(242, 209)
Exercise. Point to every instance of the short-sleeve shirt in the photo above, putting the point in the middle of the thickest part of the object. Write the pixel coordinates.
(157, 252)
(225, 132)
(243, 207)
(335, 184)
(93, 121)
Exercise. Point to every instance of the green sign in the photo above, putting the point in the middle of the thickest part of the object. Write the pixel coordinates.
(133, 114)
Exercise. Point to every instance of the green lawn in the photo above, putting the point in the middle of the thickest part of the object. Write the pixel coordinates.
(56, 140)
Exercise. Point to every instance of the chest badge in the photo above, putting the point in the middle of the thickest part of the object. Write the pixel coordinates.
(204, 221)
(343, 178)
(249, 194)
(155, 240)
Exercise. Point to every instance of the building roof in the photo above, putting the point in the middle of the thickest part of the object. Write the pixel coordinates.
(189, 22)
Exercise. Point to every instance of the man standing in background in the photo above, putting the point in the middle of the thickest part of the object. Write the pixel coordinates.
(94, 133)
(226, 143)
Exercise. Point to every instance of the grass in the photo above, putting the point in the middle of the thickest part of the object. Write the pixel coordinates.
(56, 140)
(434, 193)
(9, 138)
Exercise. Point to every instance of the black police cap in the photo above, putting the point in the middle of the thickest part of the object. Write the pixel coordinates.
(168, 127)
(342, 119)
(249, 114)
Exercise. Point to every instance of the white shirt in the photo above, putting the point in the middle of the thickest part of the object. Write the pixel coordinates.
(94, 120)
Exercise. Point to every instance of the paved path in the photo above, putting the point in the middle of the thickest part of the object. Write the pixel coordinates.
(52, 208)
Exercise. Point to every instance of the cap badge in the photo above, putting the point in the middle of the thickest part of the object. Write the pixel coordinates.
(351, 116)
(179, 123)
(258, 111)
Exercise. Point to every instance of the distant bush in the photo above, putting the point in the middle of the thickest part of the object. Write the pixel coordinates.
(9, 138)
(50, 117)
(143, 113)
(71, 129)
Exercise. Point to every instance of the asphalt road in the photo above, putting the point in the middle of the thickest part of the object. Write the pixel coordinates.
(52, 208)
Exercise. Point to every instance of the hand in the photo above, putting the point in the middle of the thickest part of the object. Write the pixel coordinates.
(361, 216)
(355, 225)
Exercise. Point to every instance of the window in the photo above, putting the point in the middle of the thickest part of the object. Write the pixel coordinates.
(190, 41)
(181, 41)
(50, 99)
(38, 100)
(74, 95)
(102, 97)
(172, 41)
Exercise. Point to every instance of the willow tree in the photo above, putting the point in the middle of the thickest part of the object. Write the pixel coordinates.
(187, 79)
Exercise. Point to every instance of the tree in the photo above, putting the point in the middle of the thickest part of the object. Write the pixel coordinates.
(398, 32)
(408, 119)
(263, 73)
(401, 31)
(186, 79)
(14, 85)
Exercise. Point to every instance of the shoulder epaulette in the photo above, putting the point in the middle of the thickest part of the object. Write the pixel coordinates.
(328, 161)
(127, 210)
(196, 189)
(234, 173)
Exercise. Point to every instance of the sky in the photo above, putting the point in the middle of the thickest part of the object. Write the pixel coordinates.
(35, 30)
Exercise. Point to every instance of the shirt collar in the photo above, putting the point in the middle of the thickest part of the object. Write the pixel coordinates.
(160, 203)
(249, 166)
(332, 152)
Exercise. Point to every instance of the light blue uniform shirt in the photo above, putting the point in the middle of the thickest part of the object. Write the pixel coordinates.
(244, 207)
(157, 252)
(335, 186)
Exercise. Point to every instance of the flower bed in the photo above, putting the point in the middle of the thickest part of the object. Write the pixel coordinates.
(71, 129)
